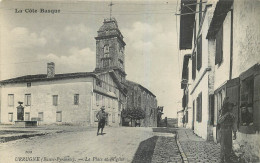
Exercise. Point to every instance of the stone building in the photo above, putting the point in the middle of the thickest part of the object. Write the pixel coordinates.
(141, 98)
(226, 41)
(75, 98)
(110, 55)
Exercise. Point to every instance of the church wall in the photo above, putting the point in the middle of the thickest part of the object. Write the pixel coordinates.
(139, 98)
(114, 52)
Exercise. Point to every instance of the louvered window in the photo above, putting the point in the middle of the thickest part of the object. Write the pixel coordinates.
(194, 66)
(199, 53)
(219, 46)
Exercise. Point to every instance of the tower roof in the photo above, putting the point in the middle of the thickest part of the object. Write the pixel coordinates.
(108, 24)
(109, 28)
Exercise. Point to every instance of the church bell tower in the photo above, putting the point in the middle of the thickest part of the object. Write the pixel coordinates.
(110, 48)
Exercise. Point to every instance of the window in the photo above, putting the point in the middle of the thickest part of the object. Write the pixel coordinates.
(194, 65)
(139, 100)
(250, 100)
(55, 100)
(98, 83)
(113, 118)
(27, 100)
(10, 117)
(199, 108)
(106, 62)
(108, 100)
(58, 116)
(247, 92)
(10, 100)
(27, 116)
(40, 116)
(29, 84)
(106, 49)
(220, 94)
(106, 55)
(219, 47)
(76, 99)
(199, 53)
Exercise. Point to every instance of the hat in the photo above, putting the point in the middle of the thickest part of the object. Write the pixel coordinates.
(102, 108)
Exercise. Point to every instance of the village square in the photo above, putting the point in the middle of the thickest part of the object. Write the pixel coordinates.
(143, 81)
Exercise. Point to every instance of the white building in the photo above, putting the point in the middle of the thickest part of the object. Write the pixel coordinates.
(193, 31)
(225, 44)
(72, 98)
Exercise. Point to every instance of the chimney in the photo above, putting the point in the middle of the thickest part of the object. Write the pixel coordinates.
(50, 70)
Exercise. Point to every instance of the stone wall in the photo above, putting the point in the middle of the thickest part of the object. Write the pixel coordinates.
(147, 102)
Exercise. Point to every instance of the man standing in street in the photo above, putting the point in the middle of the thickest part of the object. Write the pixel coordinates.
(227, 125)
(101, 116)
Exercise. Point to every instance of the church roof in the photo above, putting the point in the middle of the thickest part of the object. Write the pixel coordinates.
(43, 77)
(139, 85)
(109, 24)
(109, 29)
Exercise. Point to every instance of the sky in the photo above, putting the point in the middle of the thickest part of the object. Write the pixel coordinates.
(150, 30)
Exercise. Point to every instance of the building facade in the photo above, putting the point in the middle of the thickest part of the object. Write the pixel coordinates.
(72, 98)
(197, 89)
(141, 98)
(226, 41)
(75, 98)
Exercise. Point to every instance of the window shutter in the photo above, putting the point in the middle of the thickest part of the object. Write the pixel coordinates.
(184, 104)
(232, 91)
(219, 46)
(198, 110)
(200, 97)
(211, 109)
(199, 53)
(194, 66)
(195, 30)
(256, 105)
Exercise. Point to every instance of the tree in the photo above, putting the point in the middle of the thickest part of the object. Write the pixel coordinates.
(133, 114)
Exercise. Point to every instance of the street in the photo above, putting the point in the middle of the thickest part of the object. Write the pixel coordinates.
(122, 144)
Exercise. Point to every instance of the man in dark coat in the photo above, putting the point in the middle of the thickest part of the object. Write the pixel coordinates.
(227, 125)
(101, 116)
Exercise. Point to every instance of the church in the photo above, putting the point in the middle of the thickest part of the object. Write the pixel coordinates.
(75, 98)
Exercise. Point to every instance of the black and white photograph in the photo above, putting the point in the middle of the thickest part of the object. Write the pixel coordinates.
(130, 81)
